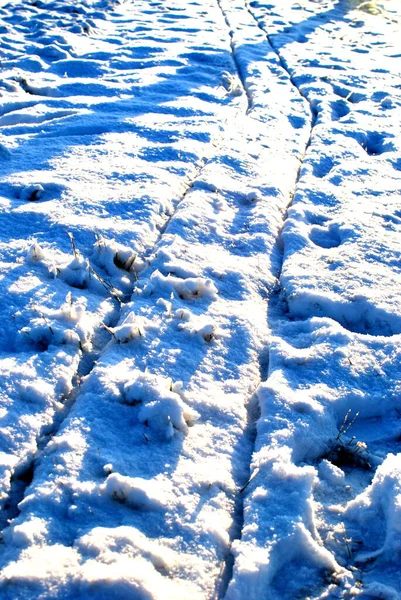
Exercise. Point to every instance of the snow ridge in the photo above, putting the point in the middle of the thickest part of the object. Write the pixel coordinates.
(241, 29)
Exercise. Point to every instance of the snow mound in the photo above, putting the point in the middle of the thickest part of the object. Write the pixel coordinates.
(186, 289)
(35, 254)
(162, 405)
(129, 329)
(69, 324)
(231, 84)
(377, 510)
(136, 492)
(198, 327)
(76, 273)
(331, 473)
(111, 256)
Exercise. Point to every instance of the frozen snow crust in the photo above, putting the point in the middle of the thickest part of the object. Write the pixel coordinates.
(201, 308)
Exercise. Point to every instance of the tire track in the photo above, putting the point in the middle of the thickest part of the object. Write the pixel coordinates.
(339, 119)
(350, 456)
(274, 308)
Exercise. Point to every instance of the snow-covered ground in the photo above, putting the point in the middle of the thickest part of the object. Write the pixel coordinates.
(200, 299)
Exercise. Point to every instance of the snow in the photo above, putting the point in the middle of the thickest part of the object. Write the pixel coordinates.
(162, 408)
(201, 309)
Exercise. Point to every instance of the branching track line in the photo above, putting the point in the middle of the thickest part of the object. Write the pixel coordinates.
(274, 309)
(283, 64)
(313, 122)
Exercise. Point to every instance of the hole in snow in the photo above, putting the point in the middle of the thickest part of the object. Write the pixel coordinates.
(373, 142)
(349, 95)
(325, 238)
(396, 164)
(297, 122)
(339, 109)
(347, 456)
(323, 166)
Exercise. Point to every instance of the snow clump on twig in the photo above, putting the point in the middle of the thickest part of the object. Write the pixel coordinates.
(162, 405)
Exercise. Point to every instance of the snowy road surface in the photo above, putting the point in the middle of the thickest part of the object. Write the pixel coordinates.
(200, 299)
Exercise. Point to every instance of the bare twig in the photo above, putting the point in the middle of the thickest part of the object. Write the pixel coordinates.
(252, 477)
(44, 318)
(345, 425)
(110, 331)
(73, 244)
(110, 288)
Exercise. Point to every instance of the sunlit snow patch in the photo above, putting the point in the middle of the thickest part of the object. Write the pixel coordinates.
(136, 492)
(161, 404)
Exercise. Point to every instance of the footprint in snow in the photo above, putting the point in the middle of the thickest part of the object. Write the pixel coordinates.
(326, 237)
